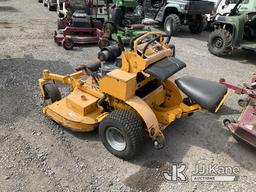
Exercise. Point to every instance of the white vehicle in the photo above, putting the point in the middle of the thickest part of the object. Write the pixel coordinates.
(222, 7)
(225, 7)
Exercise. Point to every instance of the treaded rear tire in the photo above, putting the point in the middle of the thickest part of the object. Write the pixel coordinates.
(172, 24)
(226, 38)
(131, 128)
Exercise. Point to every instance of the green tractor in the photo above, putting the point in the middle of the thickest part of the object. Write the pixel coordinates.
(235, 30)
(124, 23)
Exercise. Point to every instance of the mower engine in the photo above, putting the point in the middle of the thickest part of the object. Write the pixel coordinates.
(126, 16)
(132, 17)
(81, 19)
(109, 59)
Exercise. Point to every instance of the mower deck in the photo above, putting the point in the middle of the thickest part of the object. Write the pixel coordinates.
(77, 35)
(77, 111)
(245, 127)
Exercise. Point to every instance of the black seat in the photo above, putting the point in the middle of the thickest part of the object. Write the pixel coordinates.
(207, 94)
(165, 68)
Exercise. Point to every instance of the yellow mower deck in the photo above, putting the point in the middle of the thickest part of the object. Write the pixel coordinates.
(77, 111)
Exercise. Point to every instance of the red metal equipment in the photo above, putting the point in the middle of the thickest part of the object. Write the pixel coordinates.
(71, 36)
(78, 27)
(244, 128)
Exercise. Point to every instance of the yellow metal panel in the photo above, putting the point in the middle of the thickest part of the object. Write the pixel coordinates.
(147, 115)
(155, 98)
(173, 95)
(167, 115)
(81, 102)
(118, 83)
(67, 117)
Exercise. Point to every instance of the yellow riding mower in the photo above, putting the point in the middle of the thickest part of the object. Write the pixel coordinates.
(130, 97)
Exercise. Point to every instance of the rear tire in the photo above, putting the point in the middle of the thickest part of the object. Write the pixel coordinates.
(220, 42)
(52, 92)
(197, 25)
(122, 133)
(172, 24)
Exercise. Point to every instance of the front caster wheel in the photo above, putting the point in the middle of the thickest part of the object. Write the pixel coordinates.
(68, 44)
(226, 122)
(122, 133)
(51, 92)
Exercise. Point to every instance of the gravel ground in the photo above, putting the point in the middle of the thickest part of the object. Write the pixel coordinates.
(36, 154)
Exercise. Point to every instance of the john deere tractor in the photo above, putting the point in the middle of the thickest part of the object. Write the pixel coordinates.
(236, 30)
(125, 18)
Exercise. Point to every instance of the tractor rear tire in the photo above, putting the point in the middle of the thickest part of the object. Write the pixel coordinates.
(220, 42)
(197, 25)
(52, 92)
(122, 133)
(172, 24)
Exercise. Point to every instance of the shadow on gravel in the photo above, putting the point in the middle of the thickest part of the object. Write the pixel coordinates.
(202, 131)
(185, 33)
(225, 110)
(80, 48)
(243, 57)
(8, 9)
(19, 91)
